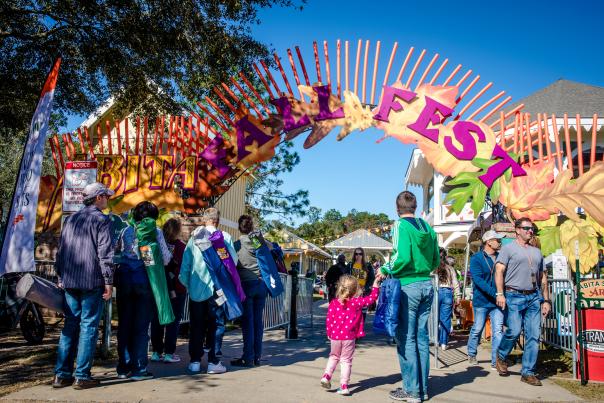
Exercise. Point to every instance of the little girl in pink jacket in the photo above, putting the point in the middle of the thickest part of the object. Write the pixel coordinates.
(344, 325)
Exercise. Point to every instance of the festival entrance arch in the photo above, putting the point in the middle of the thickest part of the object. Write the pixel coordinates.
(464, 130)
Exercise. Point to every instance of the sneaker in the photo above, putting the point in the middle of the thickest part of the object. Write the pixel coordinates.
(472, 360)
(123, 376)
(195, 366)
(216, 368)
(443, 347)
(531, 380)
(493, 367)
(155, 357)
(171, 358)
(257, 362)
(402, 396)
(143, 376)
(502, 367)
(343, 390)
(326, 383)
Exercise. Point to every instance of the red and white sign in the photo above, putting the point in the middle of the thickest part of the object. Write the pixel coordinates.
(78, 174)
(593, 343)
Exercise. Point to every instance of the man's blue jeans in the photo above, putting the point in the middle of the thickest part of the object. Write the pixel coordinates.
(220, 329)
(83, 309)
(522, 311)
(252, 325)
(135, 310)
(445, 310)
(480, 318)
(412, 339)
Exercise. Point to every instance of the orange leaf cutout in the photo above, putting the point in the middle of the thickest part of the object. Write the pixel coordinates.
(520, 193)
(586, 192)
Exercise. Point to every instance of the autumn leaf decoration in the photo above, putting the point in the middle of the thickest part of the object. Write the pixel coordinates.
(565, 196)
(474, 188)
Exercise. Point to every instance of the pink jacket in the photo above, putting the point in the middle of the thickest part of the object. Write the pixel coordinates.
(345, 321)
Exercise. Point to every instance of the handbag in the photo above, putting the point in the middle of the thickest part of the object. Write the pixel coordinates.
(379, 319)
(41, 291)
(391, 288)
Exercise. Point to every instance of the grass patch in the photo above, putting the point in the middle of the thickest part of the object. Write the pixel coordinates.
(593, 392)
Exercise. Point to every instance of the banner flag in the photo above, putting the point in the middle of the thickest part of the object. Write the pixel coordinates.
(18, 242)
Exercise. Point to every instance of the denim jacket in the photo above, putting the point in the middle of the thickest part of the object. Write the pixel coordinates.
(482, 268)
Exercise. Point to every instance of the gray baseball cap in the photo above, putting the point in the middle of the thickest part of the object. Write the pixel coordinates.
(491, 234)
(96, 189)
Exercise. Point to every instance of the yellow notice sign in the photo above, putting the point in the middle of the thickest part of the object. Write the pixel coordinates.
(593, 289)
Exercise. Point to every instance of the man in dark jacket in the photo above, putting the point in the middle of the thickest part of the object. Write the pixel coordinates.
(333, 275)
(482, 268)
(84, 265)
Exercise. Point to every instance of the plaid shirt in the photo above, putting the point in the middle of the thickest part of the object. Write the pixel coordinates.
(85, 256)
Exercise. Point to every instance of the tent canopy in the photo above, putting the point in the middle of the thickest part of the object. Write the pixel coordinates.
(360, 238)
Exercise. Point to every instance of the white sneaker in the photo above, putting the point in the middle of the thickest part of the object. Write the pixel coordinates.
(216, 368)
(171, 358)
(195, 367)
(343, 391)
(443, 347)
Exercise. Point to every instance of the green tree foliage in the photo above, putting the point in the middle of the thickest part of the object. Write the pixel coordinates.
(333, 225)
(144, 53)
(264, 197)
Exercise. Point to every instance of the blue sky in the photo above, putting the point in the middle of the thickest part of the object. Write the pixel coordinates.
(521, 46)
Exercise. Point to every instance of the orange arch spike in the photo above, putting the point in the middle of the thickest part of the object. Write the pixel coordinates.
(306, 80)
(489, 102)
(264, 82)
(293, 66)
(404, 66)
(427, 70)
(453, 74)
(327, 71)
(471, 102)
(256, 94)
(375, 68)
(356, 68)
(278, 61)
(440, 70)
(365, 60)
(417, 63)
(317, 63)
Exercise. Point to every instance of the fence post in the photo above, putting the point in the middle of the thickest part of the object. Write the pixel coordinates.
(291, 332)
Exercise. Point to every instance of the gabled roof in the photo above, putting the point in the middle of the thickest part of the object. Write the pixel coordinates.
(360, 238)
(565, 96)
(293, 241)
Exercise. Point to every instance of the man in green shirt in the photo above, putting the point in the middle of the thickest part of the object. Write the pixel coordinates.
(415, 256)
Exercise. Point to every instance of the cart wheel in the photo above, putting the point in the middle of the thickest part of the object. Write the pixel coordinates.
(32, 325)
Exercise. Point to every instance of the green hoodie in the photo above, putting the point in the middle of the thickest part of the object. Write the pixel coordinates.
(415, 252)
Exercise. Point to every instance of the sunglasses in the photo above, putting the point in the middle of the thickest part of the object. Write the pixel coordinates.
(358, 253)
(527, 228)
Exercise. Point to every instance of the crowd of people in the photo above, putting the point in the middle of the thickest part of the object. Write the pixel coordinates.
(154, 272)
(509, 286)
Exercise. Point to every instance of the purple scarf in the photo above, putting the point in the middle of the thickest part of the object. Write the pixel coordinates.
(218, 244)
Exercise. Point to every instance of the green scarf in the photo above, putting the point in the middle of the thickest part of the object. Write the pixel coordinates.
(146, 234)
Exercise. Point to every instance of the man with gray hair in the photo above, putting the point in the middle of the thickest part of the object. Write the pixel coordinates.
(84, 266)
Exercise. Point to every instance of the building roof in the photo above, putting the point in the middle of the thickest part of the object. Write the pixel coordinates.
(419, 171)
(360, 238)
(565, 96)
(293, 242)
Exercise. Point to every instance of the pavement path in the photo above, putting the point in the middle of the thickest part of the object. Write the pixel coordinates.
(291, 370)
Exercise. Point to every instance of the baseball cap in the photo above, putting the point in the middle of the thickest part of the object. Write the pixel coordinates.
(490, 234)
(96, 189)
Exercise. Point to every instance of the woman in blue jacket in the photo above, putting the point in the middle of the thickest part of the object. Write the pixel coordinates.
(482, 268)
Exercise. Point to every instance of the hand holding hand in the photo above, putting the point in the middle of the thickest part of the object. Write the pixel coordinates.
(545, 308)
(500, 301)
(108, 292)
